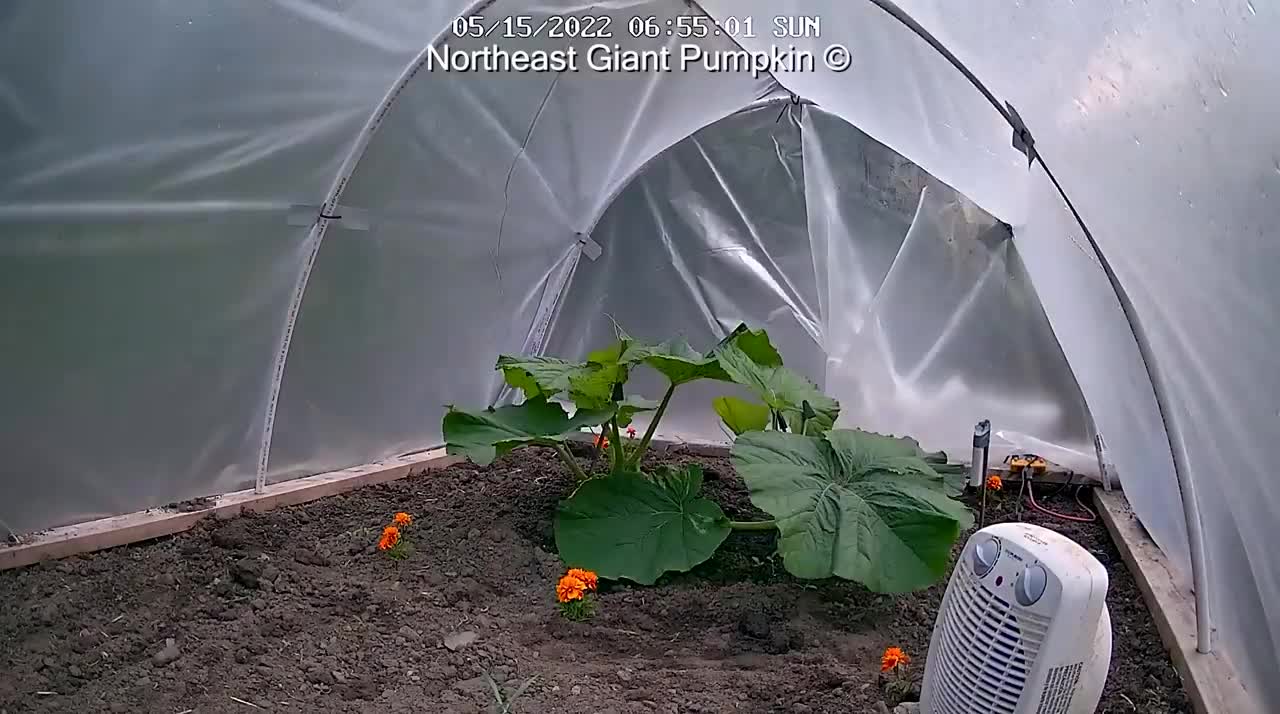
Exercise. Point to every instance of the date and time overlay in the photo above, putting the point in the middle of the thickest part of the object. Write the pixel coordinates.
(604, 43)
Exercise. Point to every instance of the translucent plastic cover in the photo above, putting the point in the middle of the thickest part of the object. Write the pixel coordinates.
(151, 157)
(901, 298)
(162, 165)
(1159, 121)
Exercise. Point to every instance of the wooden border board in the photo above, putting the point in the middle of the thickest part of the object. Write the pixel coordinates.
(1212, 683)
(155, 523)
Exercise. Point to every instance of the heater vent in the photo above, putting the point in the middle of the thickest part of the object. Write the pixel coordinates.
(986, 650)
(1059, 687)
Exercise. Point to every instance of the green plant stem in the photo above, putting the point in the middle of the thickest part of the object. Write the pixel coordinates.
(615, 444)
(569, 461)
(753, 525)
(653, 427)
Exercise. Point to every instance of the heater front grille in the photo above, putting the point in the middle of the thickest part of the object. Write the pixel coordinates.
(1059, 687)
(986, 650)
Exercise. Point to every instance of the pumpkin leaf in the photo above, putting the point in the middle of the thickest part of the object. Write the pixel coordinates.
(740, 415)
(484, 436)
(853, 505)
(783, 390)
(538, 376)
(628, 526)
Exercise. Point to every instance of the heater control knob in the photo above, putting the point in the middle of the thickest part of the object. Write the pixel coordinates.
(1030, 585)
(985, 556)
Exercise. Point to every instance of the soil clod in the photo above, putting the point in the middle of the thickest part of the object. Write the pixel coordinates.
(168, 655)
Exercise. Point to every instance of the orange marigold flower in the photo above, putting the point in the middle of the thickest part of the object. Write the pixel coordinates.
(589, 579)
(390, 536)
(602, 441)
(570, 588)
(402, 519)
(893, 658)
(994, 483)
(631, 432)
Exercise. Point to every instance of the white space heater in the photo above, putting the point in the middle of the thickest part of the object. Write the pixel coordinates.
(1023, 629)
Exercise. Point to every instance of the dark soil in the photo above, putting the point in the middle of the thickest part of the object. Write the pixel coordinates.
(295, 610)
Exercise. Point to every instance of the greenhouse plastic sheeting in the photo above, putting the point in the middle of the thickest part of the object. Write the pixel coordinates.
(479, 188)
(792, 219)
(1159, 121)
(158, 161)
(149, 161)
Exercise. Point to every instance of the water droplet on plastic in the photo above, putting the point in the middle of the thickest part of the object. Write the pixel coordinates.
(1252, 10)
(1221, 87)
(1082, 107)
(1136, 140)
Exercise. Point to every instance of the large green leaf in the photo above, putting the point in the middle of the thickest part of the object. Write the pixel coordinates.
(538, 376)
(952, 477)
(484, 436)
(783, 390)
(678, 361)
(681, 364)
(588, 384)
(754, 344)
(629, 526)
(740, 415)
(852, 505)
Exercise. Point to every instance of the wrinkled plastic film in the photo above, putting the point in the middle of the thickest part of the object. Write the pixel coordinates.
(933, 325)
(503, 173)
(790, 218)
(1158, 121)
(707, 235)
(148, 162)
(898, 90)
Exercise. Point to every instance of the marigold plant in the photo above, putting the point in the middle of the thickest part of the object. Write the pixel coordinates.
(994, 483)
(893, 658)
(588, 578)
(393, 541)
(574, 593)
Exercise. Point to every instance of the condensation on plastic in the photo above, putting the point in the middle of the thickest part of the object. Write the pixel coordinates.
(479, 187)
(1159, 121)
(790, 218)
(149, 156)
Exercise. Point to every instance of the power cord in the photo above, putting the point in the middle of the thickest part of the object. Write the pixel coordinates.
(1031, 499)
(1025, 465)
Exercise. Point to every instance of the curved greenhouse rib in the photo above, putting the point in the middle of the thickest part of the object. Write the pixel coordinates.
(1173, 432)
(316, 237)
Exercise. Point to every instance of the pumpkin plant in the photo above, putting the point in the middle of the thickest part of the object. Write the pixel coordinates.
(845, 503)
